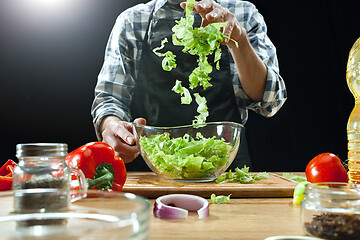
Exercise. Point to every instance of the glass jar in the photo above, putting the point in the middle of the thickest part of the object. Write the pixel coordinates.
(42, 167)
(331, 210)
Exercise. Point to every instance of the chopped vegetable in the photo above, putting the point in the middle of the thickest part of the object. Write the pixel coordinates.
(6, 173)
(242, 175)
(101, 167)
(299, 191)
(168, 62)
(184, 92)
(186, 157)
(219, 199)
(202, 42)
(294, 177)
(176, 206)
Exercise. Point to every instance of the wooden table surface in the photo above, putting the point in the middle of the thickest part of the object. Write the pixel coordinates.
(246, 218)
(241, 218)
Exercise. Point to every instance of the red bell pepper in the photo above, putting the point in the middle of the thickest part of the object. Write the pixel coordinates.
(102, 169)
(6, 172)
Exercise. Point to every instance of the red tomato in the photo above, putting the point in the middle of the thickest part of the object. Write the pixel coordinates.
(326, 167)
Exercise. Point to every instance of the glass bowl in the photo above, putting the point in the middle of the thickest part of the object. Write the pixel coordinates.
(331, 210)
(100, 215)
(189, 153)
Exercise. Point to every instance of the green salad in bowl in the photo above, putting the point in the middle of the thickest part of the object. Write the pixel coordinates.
(196, 153)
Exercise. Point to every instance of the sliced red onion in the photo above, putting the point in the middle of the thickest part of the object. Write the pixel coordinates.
(176, 206)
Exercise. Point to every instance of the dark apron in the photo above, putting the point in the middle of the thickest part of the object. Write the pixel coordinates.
(154, 100)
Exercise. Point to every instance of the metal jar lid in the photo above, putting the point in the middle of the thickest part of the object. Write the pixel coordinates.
(41, 149)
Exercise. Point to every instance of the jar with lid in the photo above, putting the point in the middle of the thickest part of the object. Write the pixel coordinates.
(331, 210)
(42, 169)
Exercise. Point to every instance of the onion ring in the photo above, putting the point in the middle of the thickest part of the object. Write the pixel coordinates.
(176, 206)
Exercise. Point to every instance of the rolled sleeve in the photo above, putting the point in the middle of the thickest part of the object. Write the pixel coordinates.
(275, 93)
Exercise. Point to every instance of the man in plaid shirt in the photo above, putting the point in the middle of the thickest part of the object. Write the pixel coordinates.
(132, 86)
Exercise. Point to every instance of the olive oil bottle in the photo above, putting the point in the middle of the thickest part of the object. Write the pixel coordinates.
(353, 126)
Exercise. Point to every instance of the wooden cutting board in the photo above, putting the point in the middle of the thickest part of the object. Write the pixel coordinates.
(149, 185)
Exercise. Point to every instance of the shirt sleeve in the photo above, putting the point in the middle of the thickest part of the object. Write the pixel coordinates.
(275, 90)
(115, 81)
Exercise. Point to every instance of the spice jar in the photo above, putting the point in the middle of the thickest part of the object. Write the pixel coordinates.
(331, 210)
(42, 167)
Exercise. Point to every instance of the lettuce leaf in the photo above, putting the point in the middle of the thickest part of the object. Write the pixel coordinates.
(294, 177)
(220, 199)
(186, 157)
(242, 175)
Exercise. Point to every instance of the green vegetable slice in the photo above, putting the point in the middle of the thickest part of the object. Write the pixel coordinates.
(294, 177)
(242, 175)
(219, 199)
(168, 62)
(299, 191)
(184, 92)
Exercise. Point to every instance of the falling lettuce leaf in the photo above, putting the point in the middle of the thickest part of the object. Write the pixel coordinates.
(202, 42)
(184, 92)
(168, 62)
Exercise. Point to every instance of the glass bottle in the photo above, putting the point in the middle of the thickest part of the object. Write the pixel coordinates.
(41, 180)
(353, 126)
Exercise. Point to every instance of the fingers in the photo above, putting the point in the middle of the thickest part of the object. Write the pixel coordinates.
(183, 5)
(212, 12)
(126, 152)
(140, 121)
(202, 7)
(121, 148)
(119, 135)
(229, 28)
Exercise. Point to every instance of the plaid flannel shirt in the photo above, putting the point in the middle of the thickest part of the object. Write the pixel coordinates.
(117, 78)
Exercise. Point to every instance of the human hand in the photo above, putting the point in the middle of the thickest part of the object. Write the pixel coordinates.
(119, 135)
(212, 12)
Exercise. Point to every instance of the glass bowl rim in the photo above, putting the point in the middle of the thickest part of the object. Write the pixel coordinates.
(235, 124)
(106, 221)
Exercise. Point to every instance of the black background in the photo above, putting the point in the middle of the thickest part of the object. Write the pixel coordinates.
(50, 58)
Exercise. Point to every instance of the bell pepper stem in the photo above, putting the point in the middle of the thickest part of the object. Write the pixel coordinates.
(104, 179)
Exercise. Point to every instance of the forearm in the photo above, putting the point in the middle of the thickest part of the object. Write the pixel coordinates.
(251, 70)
